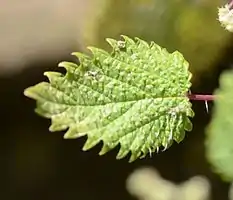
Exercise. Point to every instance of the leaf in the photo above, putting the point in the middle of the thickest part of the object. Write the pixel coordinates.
(219, 141)
(135, 96)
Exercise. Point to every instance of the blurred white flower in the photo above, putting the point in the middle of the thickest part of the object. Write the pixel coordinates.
(147, 184)
(225, 16)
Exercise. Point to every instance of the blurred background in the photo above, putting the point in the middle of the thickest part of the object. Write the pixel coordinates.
(36, 35)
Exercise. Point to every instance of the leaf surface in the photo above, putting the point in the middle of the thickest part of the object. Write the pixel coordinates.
(135, 96)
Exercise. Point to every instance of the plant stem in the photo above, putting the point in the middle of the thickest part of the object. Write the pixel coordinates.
(230, 4)
(201, 97)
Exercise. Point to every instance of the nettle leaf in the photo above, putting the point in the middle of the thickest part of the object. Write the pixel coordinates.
(135, 96)
(219, 148)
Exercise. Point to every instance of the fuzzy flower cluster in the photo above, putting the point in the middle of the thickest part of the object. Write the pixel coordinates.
(225, 16)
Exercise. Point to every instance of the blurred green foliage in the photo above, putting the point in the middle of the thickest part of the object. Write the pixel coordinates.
(219, 142)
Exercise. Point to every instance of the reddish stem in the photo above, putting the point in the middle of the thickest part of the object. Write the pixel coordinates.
(230, 4)
(201, 97)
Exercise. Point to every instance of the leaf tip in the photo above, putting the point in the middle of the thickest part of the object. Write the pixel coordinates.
(30, 92)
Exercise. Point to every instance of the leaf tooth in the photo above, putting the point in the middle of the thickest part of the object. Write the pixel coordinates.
(53, 74)
(122, 153)
(73, 133)
(128, 40)
(179, 137)
(155, 47)
(188, 112)
(57, 127)
(69, 66)
(134, 156)
(96, 51)
(91, 142)
(33, 92)
(188, 124)
(80, 56)
(142, 42)
(166, 144)
(104, 149)
(147, 149)
(112, 42)
(107, 147)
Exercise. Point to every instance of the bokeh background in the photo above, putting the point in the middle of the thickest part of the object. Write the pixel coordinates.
(36, 35)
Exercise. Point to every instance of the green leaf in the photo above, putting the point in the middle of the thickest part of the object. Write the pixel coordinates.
(135, 96)
(219, 141)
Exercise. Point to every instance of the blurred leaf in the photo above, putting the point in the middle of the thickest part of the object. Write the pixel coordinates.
(135, 96)
(219, 142)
